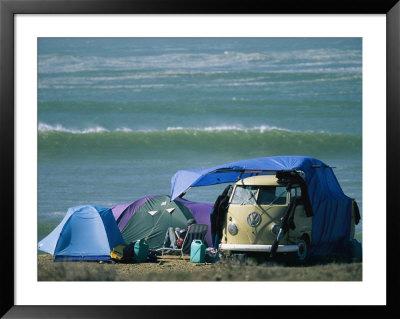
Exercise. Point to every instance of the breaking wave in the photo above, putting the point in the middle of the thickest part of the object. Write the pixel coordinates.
(231, 139)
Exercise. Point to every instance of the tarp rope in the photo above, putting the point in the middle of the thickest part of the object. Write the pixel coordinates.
(154, 226)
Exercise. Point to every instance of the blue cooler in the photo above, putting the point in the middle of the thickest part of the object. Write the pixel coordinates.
(197, 251)
(141, 250)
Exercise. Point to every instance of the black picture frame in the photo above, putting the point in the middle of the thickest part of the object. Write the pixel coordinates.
(8, 10)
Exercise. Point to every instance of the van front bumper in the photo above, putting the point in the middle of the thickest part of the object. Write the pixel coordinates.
(259, 248)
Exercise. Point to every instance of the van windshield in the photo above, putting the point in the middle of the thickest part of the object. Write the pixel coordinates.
(262, 195)
(245, 195)
(272, 194)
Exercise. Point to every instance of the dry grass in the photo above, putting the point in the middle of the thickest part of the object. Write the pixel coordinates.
(172, 268)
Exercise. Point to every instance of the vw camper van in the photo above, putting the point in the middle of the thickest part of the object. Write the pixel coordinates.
(279, 205)
(268, 215)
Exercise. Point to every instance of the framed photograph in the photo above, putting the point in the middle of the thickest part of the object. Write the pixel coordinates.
(99, 97)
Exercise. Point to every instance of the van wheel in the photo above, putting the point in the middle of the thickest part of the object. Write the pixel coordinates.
(304, 248)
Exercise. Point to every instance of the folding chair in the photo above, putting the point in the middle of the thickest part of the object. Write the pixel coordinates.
(196, 231)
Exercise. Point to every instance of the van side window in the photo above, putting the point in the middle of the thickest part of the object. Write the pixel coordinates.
(295, 191)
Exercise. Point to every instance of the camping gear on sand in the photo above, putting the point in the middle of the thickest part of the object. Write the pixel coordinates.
(141, 250)
(197, 251)
(135, 252)
(355, 250)
(212, 255)
(152, 256)
(86, 233)
(149, 218)
(123, 253)
(117, 253)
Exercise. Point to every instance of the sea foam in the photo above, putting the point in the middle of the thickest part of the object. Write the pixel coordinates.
(43, 127)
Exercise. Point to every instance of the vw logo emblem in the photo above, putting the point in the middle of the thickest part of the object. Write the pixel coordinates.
(254, 219)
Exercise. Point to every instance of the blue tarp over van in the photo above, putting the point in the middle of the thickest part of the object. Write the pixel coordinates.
(86, 233)
(331, 207)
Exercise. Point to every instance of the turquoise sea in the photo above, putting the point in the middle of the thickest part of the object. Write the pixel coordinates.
(117, 117)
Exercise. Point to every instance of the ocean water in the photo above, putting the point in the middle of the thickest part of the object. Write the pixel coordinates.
(118, 117)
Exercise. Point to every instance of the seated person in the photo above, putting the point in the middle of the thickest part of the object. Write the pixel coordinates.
(170, 238)
(174, 238)
(181, 233)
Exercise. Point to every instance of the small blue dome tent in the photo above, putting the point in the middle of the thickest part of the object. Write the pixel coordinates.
(86, 233)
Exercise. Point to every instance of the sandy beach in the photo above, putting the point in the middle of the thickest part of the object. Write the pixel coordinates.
(173, 268)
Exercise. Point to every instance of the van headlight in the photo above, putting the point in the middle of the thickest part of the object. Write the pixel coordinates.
(275, 229)
(232, 228)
